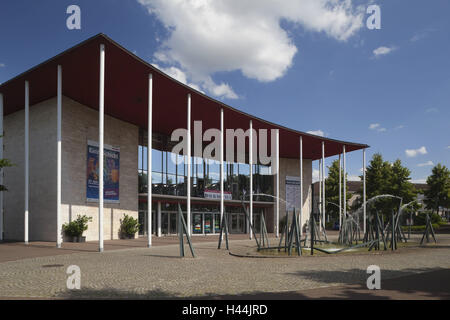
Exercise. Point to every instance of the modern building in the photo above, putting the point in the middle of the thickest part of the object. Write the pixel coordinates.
(57, 116)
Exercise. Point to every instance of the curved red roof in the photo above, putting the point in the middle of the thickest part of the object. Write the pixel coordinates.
(126, 96)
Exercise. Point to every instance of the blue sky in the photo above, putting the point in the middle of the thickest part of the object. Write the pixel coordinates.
(299, 70)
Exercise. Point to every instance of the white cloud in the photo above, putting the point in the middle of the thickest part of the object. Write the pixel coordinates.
(317, 133)
(415, 152)
(426, 164)
(315, 175)
(381, 51)
(432, 110)
(448, 147)
(422, 34)
(177, 74)
(353, 178)
(419, 181)
(2, 65)
(377, 127)
(210, 36)
(399, 127)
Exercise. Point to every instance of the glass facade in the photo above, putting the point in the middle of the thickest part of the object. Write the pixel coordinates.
(169, 176)
(205, 219)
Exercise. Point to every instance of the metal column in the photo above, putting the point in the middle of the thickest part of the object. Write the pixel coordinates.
(277, 169)
(58, 157)
(301, 186)
(250, 162)
(101, 111)
(188, 185)
(27, 139)
(149, 160)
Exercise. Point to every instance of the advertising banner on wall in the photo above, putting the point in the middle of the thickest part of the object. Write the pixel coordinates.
(111, 166)
(292, 192)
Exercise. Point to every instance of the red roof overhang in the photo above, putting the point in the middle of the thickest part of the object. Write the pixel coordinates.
(126, 96)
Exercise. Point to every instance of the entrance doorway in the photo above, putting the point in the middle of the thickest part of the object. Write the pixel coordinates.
(237, 223)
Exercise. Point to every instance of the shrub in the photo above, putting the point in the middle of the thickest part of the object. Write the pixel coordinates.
(129, 225)
(421, 218)
(420, 228)
(76, 227)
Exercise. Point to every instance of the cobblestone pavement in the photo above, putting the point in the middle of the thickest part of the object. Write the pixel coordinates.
(158, 272)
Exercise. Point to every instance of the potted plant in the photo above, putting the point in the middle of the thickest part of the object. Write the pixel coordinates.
(74, 229)
(128, 227)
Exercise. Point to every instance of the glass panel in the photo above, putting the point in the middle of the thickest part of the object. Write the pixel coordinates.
(241, 223)
(217, 223)
(142, 222)
(234, 223)
(173, 223)
(197, 223)
(208, 223)
(164, 222)
(257, 222)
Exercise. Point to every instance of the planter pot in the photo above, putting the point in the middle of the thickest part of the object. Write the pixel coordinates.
(77, 239)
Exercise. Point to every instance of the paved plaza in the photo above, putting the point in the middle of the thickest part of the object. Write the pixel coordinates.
(129, 270)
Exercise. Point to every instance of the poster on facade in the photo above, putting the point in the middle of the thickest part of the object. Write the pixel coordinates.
(292, 192)
(111, 166)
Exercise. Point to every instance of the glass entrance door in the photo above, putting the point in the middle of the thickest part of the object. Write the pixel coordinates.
(237, 223)
(169, 223)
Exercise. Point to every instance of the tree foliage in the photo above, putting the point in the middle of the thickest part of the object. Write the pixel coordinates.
(3, 164)
(383, 177)
(332, 190)
(438, 194)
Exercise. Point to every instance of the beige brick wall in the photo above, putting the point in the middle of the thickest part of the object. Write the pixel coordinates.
(42, 159)
(80, 124)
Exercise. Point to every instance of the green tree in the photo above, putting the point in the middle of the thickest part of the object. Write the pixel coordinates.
(332, 190)
(383, 177)
(400, 185)
(438, 194)
(378, 174)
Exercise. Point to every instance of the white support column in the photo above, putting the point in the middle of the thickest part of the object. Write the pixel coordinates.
(159, 218)
(345, 184)
(250, 162)
(101, 111)
(1, 170)
(301, 186)
(149, 159)
(319, 202)
(58, 158)
(27, 139)
(323, 184)
(222, 207)
(188, 186)
(340, 191)
(277, 169)
(364, 189)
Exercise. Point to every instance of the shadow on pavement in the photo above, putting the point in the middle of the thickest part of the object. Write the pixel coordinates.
(426, 285)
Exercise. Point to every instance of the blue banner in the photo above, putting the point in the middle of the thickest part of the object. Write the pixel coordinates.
(111, 166)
